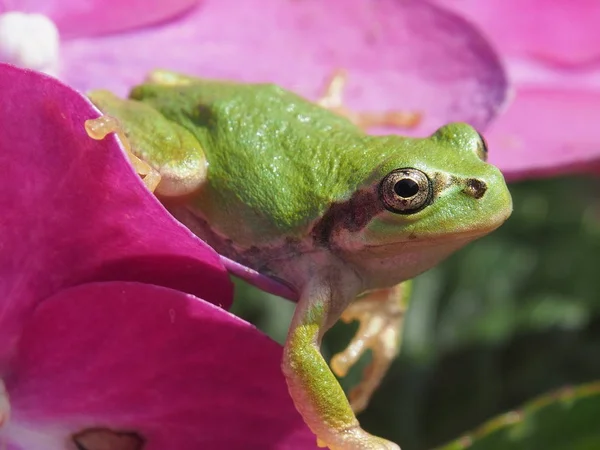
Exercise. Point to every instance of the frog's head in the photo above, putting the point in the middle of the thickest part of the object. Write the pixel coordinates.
(427, 198)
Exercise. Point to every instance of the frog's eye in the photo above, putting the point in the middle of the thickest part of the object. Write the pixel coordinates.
(405, 191)
(482, 148)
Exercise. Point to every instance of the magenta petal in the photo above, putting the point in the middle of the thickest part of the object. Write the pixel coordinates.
(74, 211)
(132, 357)
(408, 55)
(91, 17)
(560, 32)
(259, 280)
(547, 132)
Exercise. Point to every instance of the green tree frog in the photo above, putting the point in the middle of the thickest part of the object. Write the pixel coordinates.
(300, 192)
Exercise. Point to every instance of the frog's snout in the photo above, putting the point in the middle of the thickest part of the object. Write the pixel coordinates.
(475, 188)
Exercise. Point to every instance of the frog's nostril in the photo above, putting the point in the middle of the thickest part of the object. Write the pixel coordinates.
(475, 188)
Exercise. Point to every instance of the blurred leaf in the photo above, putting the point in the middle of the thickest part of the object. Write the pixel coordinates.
(568, 419)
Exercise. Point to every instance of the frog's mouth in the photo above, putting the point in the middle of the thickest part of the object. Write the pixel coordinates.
(433, 240)
(466, 235)
(471, 234)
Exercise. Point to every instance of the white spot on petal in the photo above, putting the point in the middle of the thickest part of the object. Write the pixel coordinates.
(29, 40)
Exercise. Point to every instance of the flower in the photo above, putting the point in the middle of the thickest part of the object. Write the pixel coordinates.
(551, 53)
(409, 55)
(111, 319)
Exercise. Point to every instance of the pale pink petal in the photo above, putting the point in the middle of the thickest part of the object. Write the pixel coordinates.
(559, 32)
(552, 55)
(74, 211)
(92, 17)
(181, 372)
(547, 132)
(408, 55)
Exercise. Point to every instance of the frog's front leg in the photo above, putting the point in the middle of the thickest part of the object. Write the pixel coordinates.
(102, 126)
(381, 316)
(169, 157)
(332, 99)
(170, 78)
(316, 392)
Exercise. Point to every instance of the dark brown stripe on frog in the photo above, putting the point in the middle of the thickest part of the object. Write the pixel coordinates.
(352, 215)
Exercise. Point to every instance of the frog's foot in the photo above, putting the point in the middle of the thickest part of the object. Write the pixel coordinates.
(356, 438)
(316, 392)
(168, 78)
(166, 154)
(381, 315)
(102, 126)
(332, 99)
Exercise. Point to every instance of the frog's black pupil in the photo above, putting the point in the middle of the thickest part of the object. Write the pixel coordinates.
(406, 187)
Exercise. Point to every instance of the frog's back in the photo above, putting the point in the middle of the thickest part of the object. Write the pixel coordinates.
(276, 162)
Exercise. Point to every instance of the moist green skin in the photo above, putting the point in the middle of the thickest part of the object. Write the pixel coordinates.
(274, 158)
(277, 162)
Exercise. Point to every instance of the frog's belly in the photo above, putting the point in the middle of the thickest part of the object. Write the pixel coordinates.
(284, 260)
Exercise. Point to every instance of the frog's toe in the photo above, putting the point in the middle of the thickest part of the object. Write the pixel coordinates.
(355, 438)
(400, 119)
(364, 339)
(381, 315)
(361, 394)
(170, 78)
(332, 99)
(100, 127)
(382, 339)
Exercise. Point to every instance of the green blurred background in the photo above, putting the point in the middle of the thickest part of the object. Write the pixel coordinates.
(514, 315)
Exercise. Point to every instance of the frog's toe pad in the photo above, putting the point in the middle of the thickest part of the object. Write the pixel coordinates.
(355, 438)
(100, 127)
(381, 316)
(384, 344)
(378, 331)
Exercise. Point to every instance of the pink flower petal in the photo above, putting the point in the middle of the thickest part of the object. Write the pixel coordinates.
(260, 281)
(547, 132)
(92, 17)
(74, 211)
(551, 53)
(131, 357)
(559, 32)
(408, 55)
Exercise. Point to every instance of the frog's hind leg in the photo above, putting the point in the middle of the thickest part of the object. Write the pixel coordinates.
(332, 99)
(169, 78)
(102, 126)
(381, 316)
